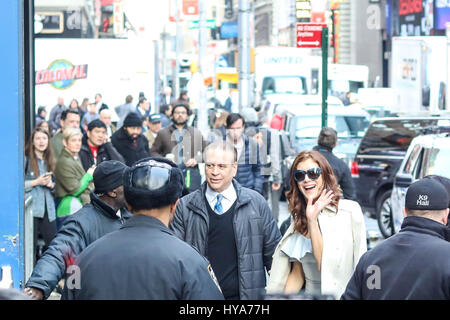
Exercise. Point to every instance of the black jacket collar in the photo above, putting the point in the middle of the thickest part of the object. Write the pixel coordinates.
(425, 226)
(103, 207)
(123, 135)
(147, 222)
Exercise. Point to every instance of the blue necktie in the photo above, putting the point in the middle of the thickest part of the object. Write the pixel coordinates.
(218, 207)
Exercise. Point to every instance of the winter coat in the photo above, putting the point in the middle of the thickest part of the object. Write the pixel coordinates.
(193, 143)
(341, 171)
(42, 197)
(270, 155)
(71, 182)
(255, 229)
(56, 110)
(124, 145)
(344, 242)
(105, 152)
(122, 111)
(414, 264)
(165, 121)
(249, 166)
(57, 144)
(154, 265)
(82, 228)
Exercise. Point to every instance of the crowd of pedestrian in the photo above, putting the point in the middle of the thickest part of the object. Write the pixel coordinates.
(193, 233)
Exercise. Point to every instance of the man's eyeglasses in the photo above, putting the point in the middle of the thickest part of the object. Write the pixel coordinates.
(221, 166)
(180, 112)
(313, 174)
(150, 175)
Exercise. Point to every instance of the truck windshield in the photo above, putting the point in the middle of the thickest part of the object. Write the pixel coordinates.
(284, 84)
(346, 126)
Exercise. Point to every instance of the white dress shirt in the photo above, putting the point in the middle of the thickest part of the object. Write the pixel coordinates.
(229, 197)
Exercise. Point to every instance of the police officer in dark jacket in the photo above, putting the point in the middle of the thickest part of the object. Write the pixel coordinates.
(105, 213)
(129, 140)
(326, 142)
(94, 148)
(414, 264)
(155, 264)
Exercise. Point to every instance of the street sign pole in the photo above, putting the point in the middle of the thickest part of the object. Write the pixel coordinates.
(324, 76)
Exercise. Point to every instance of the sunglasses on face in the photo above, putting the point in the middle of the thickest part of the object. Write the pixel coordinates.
(150, 175)
(313, 174)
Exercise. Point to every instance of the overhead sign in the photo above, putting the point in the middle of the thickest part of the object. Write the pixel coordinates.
(210, 24)
(229, 30)
(318, 9)
(61, 74)
(309, 35)
(190, 7)
(118, 25)
(303, 10)
(414, 18)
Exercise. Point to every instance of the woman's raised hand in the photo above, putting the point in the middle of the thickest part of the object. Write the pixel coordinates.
(313, 210)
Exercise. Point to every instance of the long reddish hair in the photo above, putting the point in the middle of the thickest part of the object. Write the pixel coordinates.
(31, 154)
(296, 199)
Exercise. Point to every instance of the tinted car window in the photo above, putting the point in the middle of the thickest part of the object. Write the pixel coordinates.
(346, 126)
(394, 135)
(409, 166)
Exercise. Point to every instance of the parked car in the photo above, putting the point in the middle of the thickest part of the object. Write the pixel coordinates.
(427, 155)
(378, 159)
(304, 125)
(298, 101)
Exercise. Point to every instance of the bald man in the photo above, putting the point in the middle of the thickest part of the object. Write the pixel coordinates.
(105, 117)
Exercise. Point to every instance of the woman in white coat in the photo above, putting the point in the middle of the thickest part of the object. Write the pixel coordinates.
(327, 235)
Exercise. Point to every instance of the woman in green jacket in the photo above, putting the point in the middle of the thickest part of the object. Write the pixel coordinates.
(72, 182)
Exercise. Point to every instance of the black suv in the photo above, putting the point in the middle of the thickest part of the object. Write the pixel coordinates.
(378, 159)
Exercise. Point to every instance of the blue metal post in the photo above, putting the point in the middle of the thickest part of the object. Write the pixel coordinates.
(12, 140)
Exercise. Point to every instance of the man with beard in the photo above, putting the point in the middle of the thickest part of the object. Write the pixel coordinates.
(129, 140)
(184, 142)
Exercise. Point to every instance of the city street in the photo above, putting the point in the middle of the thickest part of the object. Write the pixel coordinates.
(142, 112)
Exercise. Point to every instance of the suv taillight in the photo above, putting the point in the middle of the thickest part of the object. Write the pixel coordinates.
(355, 169)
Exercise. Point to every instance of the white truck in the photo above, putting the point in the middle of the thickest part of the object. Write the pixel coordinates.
(419, 74)
(79, 68)
(285, 75)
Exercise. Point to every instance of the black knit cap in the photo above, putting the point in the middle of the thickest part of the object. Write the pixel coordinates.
(132, 120)
(145, 199)
(108, 175)
(426, 194)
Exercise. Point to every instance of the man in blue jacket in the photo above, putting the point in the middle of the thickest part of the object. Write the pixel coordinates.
(105, 213)
(415, 263)
(144, 259)
(249, 163)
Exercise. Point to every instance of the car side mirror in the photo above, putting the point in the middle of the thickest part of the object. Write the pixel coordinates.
(403, 180)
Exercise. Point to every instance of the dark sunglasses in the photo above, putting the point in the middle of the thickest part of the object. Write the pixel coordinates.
(313, 174)
(150, 175)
